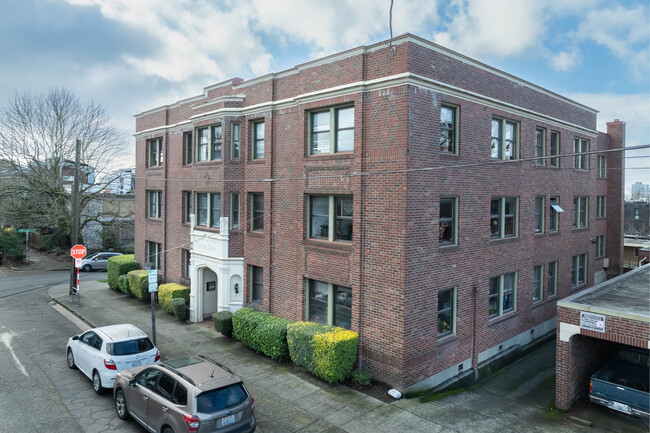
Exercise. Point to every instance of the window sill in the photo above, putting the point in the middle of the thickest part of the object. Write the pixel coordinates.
(334, 245)
(326, 156)
(448, 248)
(155, 167)
(154, 220)
(580, 287)
(538, 303)
(498, 319)
(580, 229)
(551, 298)
(256, 233)
(505, 240)
(207, 163)
(256, 161)
(207, 229)
(447, 339)
(445, 154)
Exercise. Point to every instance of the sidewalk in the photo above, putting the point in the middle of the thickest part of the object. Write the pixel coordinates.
(287, 400)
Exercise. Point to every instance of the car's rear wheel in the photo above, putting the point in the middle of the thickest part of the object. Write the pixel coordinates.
(87, 268)
(168, 430)
(120, 405)
(70, 358)
(97, 383)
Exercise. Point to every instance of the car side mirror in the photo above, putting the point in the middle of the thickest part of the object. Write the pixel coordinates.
(75, 338)
(132, 383)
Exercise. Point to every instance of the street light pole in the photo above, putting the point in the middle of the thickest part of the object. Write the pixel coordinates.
(75, 209)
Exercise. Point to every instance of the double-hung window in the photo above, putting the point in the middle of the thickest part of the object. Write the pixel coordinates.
(234, 140)
(448, 129)
(502, 295)
(504, 139)
(203, 144)
(256, 283)
(446, 312)
(503, 217)
(539, 214)
(554, 215)
(208, 209)
(540, 146)
(554, 149)
(187, 206)
(600, 246)
(257, 139)
(580, 146)
(330, 211)
(257, 211)
(186, 263)
(329, 303)
(331, 130)
(552, 279)
(578, 270)
(447, 222)
(208, 143)
(187, 148)
(154, 152)
(601, 209)
(580, 212)
(538, 282)
(602, 167)
(153, 251)
(234, 210)
(154, 204)
(215, 135)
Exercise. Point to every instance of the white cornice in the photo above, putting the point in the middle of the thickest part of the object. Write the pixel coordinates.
(373, 85)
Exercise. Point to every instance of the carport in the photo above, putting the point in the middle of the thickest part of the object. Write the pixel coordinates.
(591, 324)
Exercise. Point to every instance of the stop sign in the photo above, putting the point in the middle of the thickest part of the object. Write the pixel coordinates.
(78, 251)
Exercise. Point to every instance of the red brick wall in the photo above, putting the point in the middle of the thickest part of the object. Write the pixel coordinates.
(394, 265)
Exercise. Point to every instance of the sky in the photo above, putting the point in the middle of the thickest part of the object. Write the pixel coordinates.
(135, 55)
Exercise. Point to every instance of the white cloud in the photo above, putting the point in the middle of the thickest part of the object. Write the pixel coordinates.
(499, 28)
(330, 26)
(625, 32)
(565, 60)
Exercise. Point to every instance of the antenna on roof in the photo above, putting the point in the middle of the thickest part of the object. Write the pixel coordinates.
(390, 24)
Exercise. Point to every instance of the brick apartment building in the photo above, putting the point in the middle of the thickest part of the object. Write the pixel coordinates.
(425, 200)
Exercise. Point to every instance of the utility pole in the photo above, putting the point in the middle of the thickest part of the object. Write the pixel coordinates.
(75, 209)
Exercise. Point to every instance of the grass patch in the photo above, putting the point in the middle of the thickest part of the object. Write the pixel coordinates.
(554, 413)
(105, 280)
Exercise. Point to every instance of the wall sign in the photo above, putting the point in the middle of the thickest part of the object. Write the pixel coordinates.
(592, 322)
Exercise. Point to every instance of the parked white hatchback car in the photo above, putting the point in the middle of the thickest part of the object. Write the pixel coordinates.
(100, 353)
(97, 262)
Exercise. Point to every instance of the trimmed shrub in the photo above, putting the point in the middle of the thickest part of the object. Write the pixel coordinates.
(139, 283)
(180, 308)
(361, 377)
(328, 352)
(169, 291)
(262, 332)
(123, 284)
(223, 322)
(120, 265)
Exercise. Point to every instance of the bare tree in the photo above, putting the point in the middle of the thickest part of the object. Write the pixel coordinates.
(38, 135)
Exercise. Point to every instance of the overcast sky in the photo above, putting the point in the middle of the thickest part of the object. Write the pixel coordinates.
(135, 55)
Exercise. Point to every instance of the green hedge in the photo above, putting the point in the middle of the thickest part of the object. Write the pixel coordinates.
(223, 322)
(328, 352)
(119, 265)
(169, 291)
(123, 284)
(262, 332)
(139, 283)
(180, 308)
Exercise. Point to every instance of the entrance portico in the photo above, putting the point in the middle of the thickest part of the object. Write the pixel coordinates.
(217, 280)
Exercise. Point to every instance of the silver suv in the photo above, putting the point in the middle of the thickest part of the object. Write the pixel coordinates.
(191, 394)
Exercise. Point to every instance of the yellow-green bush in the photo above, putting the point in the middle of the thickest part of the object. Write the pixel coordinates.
(119, 265)
(139, 283)
(262, 332)
(169, 291)
(328, 352)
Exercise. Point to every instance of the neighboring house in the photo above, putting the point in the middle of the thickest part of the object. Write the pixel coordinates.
(435, 205)
(67, 171)
(637, 218)
(123, 182)
(114, 226)
(632, 247)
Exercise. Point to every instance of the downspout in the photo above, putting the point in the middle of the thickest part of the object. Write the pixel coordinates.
(165, 201)
(475, 292)
(362, 273)
(271, 191)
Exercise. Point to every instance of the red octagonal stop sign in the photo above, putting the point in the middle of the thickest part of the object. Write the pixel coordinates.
(78, 251)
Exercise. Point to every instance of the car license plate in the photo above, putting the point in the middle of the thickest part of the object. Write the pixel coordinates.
(619, 406)
(227, 420)
(136, 364)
